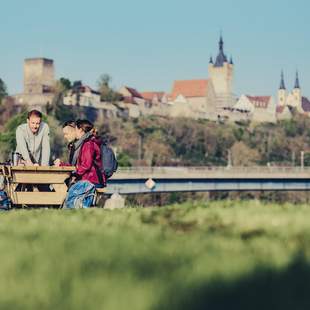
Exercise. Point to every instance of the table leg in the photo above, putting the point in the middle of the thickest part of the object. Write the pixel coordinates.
(61, 190)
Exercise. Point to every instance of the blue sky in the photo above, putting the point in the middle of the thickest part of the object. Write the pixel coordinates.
(149, 44)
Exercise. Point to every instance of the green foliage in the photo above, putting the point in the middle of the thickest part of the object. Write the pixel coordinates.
(123, 160)
(220, 255)
(290, 127)
(107, 93)
(238, 133)
(65, 83)
(62, 112)
(8, 138)
(161, 141)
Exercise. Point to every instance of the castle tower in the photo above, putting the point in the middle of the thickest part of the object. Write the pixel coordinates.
(282, 96)
(38, 75)
(297, 92)
(221, 74)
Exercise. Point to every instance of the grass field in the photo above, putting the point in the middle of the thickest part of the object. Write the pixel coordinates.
(219, 255)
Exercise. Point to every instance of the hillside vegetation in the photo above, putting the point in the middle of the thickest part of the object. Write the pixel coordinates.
(157, 141)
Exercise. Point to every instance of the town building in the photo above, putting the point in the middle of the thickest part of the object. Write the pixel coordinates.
(82, 95)
(198, 98)
(209, 98)
(132, 102)
(257, 108)
(288, 102)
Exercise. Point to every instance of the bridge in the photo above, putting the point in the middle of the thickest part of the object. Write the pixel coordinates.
(138, 180)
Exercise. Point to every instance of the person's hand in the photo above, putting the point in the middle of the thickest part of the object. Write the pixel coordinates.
(36, 165)
(28, 163)
(57, 162)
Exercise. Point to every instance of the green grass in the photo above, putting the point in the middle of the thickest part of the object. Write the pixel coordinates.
(219, 255)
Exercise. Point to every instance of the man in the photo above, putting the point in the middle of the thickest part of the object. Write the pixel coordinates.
(32, 140)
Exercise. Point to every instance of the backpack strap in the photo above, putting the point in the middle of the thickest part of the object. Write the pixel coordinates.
(99, 173)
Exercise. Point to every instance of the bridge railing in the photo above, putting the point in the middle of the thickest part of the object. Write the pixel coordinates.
(214, 169)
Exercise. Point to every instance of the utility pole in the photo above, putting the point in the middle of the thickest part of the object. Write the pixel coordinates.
(293, 158)
(229, 159)
(302, 159)
(140, 148)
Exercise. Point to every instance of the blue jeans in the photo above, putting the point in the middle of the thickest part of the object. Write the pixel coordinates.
(80, 195)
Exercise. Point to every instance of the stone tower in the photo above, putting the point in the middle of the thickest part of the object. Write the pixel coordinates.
(38, 75)
(221, 74)
(282, 92)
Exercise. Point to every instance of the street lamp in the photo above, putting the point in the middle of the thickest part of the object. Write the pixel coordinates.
(302, 159)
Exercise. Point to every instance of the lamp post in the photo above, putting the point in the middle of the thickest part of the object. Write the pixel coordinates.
(293, 158)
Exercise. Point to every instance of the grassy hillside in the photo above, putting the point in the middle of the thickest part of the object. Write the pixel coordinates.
(220, 255)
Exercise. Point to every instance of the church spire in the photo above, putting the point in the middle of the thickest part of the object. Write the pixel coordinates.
(221, 44)
(297, 81)
(221, 57)
(282, 85)
(211, 60)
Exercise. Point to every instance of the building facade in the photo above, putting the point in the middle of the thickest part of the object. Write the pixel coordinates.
(39, 83)
(291, 101)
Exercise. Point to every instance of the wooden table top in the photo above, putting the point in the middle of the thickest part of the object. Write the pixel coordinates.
(41, 168)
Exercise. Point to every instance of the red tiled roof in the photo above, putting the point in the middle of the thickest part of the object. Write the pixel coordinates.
(149, 95)
(134, 92)
(190, 88)
(259, 101)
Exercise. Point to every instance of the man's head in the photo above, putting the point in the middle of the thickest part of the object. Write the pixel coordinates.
(34, 120)
(68, 129)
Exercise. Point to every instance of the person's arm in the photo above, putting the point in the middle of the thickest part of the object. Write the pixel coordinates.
(21, 145)
(46, 150)
(59, 163)
(87, 157)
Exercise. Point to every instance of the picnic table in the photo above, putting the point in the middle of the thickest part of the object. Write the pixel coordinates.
(20, 178)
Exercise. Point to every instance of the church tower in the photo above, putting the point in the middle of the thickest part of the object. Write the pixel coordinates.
(282, 92)
(221, 74)
(297, 92)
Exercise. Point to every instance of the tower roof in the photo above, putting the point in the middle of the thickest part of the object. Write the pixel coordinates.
(211, 60)
(221, 57)
(297, 81)
(282, 85)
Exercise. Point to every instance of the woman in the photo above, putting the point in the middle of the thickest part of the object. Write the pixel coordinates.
(87, 160)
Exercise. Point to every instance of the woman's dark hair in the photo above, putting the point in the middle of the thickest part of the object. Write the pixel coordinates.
(84, 124)
(70, 123)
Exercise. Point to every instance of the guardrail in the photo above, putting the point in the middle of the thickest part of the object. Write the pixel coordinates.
(223, 169)
(130, 180)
